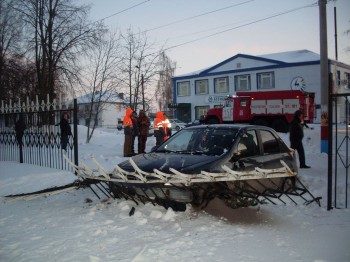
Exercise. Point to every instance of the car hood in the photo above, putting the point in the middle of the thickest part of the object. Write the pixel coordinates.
(186, 163)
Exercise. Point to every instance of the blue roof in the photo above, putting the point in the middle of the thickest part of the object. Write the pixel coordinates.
(283, 59)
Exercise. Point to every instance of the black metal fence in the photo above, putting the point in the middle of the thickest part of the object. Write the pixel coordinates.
(41, 140)
(340, 146)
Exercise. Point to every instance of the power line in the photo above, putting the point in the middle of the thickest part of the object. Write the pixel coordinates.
(122, 11)
(196, 16)
(250, 23)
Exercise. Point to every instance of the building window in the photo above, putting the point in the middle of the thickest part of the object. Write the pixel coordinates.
(221, 85)
(338, 78)
(201, 87)
(266, 80)
(200, 111)
(242, 83)
(347, 80)
(183, 88)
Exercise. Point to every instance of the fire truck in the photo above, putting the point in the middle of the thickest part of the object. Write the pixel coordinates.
(268, 108)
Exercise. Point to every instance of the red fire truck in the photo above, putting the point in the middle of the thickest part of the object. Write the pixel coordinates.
(268, 108)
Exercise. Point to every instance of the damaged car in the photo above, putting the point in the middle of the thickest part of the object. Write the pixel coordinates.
(202, 162)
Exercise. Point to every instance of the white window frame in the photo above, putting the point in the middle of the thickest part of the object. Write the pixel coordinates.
(221, 85)
(242, 83)
(183, 88)
(347, 78)
(266, 80)
(202, 87)
(201, 110)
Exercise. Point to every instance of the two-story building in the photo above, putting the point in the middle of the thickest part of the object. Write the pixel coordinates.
(196, 92)
(112, 110)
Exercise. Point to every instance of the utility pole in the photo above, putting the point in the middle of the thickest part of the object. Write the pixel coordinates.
(143, 92)
(324, 75)
(326, 98)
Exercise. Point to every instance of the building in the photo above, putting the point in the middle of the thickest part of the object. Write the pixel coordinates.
(196, 92)
(111, 112)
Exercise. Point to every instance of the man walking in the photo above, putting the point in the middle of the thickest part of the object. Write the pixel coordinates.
(296, 134)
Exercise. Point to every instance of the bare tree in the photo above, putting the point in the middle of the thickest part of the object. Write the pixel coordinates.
(100, 77)
(57, 31)
(164, 93)
(10, 49)
(139, 65)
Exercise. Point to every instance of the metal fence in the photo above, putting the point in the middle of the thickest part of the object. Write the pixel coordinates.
(41, 141)
(338, 181)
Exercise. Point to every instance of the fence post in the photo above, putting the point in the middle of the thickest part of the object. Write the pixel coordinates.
(330, 141)
(20, 152)
(75, 113)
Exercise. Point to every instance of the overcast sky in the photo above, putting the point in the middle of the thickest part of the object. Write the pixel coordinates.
(202, 33)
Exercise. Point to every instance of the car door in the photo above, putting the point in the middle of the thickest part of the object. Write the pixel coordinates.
(273, 150)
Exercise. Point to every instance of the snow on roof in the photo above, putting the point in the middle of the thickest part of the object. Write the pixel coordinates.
(109, 97)
(297, 56)
(293, 56)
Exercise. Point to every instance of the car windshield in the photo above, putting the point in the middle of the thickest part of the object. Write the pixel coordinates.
(209, 141)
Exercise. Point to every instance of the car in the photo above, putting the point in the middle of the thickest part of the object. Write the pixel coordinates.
(177, 124)
(237, 163)
(193, 123)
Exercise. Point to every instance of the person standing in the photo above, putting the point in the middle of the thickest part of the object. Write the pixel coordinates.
(296, 134)
(65, 130)
(159, 131)
(19, 129)
(128, 132)
(143, 128)
(135, 132)
(167, 127)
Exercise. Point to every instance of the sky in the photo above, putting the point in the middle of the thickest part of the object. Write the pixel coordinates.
(77, 226)
(201, 33)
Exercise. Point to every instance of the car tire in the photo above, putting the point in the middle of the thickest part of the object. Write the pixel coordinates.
(177, 128)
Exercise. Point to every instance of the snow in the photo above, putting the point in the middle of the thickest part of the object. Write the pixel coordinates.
(293, 56)
(77, 226)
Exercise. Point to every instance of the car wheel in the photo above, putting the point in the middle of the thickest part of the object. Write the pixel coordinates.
(177, 128)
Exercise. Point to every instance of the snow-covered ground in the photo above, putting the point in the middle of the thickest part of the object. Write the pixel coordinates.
(67, 227)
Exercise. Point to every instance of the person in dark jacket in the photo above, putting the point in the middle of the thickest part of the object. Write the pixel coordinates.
(19, 129)
(134, 119)
(143, 126)
(296, 134)
(65, 130)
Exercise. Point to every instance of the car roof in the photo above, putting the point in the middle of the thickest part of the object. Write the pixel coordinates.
(231, 126)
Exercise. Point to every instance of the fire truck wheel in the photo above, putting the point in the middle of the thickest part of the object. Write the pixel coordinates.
(280, 125)
(260, 122)
(212, 121)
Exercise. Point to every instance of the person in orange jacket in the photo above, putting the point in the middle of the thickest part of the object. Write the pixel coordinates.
(128, 132)
(159, 131)
(167, 127)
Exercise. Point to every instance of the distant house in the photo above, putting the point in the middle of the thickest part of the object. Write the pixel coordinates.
(112, 112)
(196, 92)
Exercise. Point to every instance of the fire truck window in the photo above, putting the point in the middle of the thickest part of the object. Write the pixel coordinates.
(270, 143)
(229, 103)
(243, 103)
